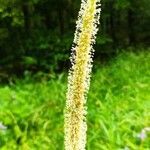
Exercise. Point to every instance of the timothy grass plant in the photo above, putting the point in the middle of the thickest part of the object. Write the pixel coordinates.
(79, 75)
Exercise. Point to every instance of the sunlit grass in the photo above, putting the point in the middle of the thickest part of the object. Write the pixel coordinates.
(118, 108)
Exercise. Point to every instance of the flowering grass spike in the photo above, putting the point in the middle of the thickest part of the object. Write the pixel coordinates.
(79, 75)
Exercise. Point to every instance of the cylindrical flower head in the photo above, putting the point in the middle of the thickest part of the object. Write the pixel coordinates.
(79, 75)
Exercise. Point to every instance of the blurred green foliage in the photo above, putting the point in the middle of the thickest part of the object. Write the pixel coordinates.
(118, 107)
(43, 30)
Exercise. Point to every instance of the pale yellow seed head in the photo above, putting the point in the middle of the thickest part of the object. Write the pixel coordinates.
(79, 75)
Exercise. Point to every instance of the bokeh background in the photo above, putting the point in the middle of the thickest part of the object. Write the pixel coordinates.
(37, 35)
(35, 41)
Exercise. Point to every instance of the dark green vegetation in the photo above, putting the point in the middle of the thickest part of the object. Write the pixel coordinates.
(37, 34)
(118, 108)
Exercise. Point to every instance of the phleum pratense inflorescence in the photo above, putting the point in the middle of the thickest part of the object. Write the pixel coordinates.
(79, 75)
